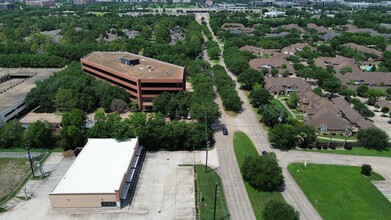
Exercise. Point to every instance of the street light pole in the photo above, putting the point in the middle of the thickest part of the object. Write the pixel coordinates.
(206, 141)
(214, 210)
(31, 161)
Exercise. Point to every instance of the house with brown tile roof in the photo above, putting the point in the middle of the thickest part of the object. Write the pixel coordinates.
(371, 79)
(334, 115)
(364, 49)
(290, 27)
(273, 62)
(354, 29)
(337, 62)
(320, 29)
(296, 47)
(327, 121)
(282, 85)
(257, 51)
(356, 120)
(384, 103)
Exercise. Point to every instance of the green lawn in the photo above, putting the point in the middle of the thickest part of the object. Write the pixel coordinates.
(341, 192)
(206, 185)
(278, 103)
(359, 151)
(296, 112)
(57, 149)
(339, 137)
(244, 147)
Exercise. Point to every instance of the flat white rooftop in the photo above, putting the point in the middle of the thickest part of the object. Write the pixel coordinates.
(99, 168)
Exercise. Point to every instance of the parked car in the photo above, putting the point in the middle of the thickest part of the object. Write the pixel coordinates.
(225, 131)
(189, 117)
(264, 153)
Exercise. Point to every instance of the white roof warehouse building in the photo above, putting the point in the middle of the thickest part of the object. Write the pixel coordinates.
(102, 175)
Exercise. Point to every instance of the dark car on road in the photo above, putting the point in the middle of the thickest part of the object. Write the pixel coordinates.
(225, 131)
(265, 153)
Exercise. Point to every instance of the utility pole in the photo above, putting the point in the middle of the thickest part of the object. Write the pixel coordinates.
(216, 194)
(207, 142)
(31, 161)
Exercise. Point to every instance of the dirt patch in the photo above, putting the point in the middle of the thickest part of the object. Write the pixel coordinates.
(12, 172)
(68, 154)
(189, 87)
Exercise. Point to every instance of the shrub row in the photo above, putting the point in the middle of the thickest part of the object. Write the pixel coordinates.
(226, 88)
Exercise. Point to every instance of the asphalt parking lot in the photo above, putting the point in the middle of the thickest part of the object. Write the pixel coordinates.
(165, 191)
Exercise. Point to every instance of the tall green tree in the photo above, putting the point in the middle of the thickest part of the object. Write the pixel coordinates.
(283, 136)
(260, 96)
(11, 134)
(249, 78)
(373, 138)
(293, 100)
(263, 172)
(276, 210)
(73, 129)
(39, 135)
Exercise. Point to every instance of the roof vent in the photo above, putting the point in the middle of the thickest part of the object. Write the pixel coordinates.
(129, 62)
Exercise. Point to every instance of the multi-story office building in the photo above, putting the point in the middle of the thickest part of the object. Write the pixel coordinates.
(142, 77)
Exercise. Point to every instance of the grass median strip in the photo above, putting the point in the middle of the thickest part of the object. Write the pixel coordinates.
(341, 192)
(206, 185)
(357, 151)
(244, 147)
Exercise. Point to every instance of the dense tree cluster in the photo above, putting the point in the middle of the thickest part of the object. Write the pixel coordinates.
(373, 138)
(263, 172)
(154, 132)
(275, 210)
(249, 78)
(71, 88)
(170, 103)
(326, 77)
(38, 135)
(260, 96)
(226, 88)
(287, 136)
(213, 50)
(235, 60)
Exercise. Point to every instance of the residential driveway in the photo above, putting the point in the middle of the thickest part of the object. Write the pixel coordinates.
(165, 190)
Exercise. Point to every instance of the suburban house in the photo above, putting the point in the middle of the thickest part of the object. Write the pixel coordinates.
(364, 49)
(338, 63)
(336, 115)
(284, 86)
(257, 51)
(273, 62)
(237, 28)
(319, 29)
(353, 29)
(384, 103)
(290, 27)
(281, 34)
(371, 79)
(355, 119)
(291, 50)
(53, 119)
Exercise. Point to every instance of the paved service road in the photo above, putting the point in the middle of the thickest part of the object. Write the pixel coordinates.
(247, 122)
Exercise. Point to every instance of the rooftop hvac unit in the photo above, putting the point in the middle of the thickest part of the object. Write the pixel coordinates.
(129, 62)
